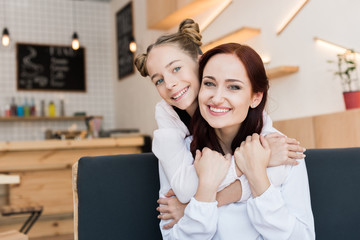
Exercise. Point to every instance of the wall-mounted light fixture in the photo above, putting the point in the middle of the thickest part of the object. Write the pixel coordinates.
(335, 47)
(132, 45)
(75, 44)
(331, 45)
(291, 15)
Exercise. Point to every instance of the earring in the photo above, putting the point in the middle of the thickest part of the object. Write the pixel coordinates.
(253, 105)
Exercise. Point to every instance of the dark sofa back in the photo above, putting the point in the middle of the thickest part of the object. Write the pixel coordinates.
(117, 197)
(334, 178)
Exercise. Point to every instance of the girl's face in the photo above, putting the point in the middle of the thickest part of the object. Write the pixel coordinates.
(175, 75)
(226, 93)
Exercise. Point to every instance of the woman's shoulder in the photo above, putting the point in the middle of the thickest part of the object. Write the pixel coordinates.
(278, 175)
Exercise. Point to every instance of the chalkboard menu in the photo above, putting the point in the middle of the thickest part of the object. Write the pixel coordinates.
(124, 27)
(50, 68)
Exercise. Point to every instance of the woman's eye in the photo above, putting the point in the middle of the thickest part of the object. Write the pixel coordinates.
(234, 87)
(176, 69)
(209, 84)
(159, 82)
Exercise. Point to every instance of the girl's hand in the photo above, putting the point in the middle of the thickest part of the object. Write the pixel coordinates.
(211, 168)
(284, 150)
(172, 209)
(230, 194)
(252, 157)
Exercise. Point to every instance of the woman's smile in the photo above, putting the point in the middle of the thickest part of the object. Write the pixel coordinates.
(218, 111)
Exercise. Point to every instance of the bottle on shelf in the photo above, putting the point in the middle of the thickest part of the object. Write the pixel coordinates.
(32, 107)
(20, 109)
(7, 111)
(13, 107)
(51, 109)
(26, 108)
(42, 108)
(62, 108)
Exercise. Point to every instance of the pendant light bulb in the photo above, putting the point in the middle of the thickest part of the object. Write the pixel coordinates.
(5, 40)
(132, 45)
(75, 42)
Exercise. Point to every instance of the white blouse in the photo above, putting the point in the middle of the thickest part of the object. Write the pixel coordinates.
(176, 170)
(283, 211)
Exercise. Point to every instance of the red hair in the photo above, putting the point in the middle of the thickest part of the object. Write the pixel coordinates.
(203, 134)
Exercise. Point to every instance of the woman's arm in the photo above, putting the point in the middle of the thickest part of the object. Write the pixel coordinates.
(277, 212)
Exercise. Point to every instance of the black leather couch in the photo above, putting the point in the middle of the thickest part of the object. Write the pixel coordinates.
(117, 195)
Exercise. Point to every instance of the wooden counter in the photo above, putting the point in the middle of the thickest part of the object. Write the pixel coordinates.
(44, 168)
(334, 130)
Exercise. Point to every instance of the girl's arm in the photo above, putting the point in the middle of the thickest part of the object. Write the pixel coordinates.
(201, 214)
(172, 149)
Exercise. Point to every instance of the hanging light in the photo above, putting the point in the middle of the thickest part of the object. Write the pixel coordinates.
(5, 39)
(132, 45)
(75, 38)
(75, 41)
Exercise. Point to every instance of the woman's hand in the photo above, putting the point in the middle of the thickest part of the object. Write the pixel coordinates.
(211, 168)
(284, 150)
(252, 157)
(172, 209)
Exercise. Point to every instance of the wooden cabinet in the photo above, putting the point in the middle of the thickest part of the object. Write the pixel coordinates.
(335, 130)
(45, 170)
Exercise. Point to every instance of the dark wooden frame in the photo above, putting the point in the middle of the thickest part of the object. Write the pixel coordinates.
(83, 80)
(124, 35)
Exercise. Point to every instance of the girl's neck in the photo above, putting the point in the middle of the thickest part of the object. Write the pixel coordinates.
(191, 109)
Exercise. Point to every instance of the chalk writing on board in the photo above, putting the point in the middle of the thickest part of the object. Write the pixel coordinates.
(43, 67)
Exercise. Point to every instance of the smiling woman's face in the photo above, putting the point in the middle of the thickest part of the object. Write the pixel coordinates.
(226, 92)
(175, 75)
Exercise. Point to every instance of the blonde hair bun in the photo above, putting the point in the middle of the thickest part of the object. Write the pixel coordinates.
(191, 29)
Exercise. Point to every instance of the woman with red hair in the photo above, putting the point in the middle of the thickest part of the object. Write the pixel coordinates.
(229, 121)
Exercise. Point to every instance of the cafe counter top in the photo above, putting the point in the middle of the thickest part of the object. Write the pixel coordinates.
(44, 169)
(126, 141)
(60, 154)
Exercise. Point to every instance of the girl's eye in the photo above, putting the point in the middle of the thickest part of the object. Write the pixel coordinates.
(176, 69)
(209, 84)
(159, 82)
(234, 87)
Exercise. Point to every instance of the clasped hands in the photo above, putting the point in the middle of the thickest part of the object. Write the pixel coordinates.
(252, 158)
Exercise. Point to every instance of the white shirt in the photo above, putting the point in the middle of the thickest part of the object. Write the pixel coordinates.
(282, 212)
(279, 213)
(176, 170)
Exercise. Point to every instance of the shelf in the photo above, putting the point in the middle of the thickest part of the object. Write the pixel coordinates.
(281, 71)
(237, 36)
(30, 119)
(172, 12)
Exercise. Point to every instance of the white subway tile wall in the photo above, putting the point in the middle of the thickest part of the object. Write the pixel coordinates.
(51, 22)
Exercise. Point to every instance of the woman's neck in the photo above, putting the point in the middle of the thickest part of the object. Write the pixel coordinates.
(226, 137)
